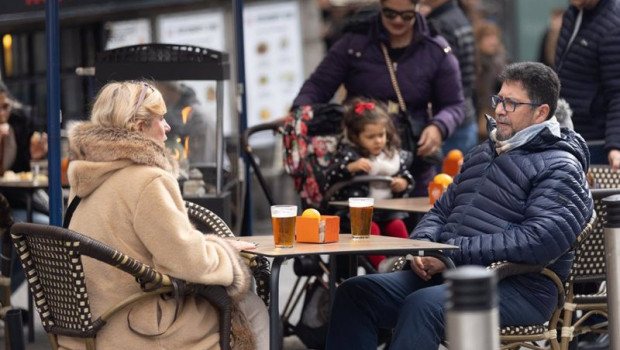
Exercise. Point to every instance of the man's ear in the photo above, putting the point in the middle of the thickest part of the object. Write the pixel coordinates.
(542, 113)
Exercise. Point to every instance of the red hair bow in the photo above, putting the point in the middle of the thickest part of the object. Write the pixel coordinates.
(360, 107)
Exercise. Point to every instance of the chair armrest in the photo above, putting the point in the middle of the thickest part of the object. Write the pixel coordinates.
(219, 298)
(504, 269)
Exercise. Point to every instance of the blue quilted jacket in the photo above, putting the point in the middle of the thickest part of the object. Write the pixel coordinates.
(590, 71)
(526, 206)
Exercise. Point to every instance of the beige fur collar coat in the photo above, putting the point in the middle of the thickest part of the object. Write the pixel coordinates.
(131, 201)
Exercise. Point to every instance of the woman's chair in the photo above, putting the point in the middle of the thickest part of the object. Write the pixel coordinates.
(604, 177)
(52, 259)
(588, 268)
(206, 221)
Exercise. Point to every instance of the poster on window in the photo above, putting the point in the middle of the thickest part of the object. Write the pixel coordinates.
(128, 33)
(273, 60)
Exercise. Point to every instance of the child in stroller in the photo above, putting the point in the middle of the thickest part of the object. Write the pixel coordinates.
(370, 145)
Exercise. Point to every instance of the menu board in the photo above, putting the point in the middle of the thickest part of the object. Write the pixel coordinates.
(273, 59)
(127, 33)
(204, 29)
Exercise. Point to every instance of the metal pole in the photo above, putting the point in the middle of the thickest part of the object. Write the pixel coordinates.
(15, 329)
(472, 318)
(612, 261)
(52, 33)
(246, 226)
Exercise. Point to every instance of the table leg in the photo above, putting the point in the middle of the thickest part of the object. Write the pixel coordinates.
(30, 303)
(333, 268)
(275, 325)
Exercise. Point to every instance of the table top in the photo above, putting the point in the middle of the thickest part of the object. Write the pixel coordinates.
(412, 204)
(346, 245)
(27, 184)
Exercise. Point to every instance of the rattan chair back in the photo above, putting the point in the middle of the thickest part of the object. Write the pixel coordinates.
(51, 258)
(604, 177)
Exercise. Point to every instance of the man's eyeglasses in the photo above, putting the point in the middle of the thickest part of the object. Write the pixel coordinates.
(5, 107)
(508, 104)
(392, 14)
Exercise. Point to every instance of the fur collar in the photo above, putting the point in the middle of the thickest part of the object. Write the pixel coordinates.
(95, 143)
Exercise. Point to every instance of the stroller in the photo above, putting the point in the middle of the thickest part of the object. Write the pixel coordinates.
(310, 136)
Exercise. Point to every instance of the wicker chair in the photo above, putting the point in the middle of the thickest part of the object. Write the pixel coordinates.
(589, 267)
(206, 221)
(604, 177)
(516, 337)
(51, 257)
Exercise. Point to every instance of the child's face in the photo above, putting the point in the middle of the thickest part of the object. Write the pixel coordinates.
(373, 138)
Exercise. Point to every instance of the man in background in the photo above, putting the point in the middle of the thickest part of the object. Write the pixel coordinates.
(586, 61)
(448, 20)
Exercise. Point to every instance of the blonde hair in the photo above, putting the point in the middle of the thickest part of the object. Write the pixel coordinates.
(119, 105)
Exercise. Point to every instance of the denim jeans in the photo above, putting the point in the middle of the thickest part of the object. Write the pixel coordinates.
(411, 306)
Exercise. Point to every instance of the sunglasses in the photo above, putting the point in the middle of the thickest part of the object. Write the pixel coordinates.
(392, 14)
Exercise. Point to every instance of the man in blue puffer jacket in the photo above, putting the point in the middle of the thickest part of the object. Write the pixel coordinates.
(521, 196)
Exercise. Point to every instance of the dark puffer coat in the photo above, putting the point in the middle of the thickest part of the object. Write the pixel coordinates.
(590, 71)
(526, 206)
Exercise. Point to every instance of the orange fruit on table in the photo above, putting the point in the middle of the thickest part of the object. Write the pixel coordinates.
(311, 213)
(443, 179)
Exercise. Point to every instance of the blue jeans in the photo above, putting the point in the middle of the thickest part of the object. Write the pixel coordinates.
(411, 306)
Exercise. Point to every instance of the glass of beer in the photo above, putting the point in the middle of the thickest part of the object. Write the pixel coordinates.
(283, 221)
(361, 216)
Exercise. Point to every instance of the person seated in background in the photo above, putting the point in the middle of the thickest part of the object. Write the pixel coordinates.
(19, 144)
(521, 196)
(130, 200)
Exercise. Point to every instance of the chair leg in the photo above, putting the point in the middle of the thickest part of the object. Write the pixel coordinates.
(90, 343)
(14, 330)
(567, 327)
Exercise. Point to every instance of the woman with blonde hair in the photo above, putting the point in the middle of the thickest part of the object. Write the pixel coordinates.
(130, 200)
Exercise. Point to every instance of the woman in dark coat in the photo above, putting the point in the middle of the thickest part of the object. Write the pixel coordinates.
(427, 73)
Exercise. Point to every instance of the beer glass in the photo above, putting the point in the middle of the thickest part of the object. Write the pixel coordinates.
(283, 221)
(361, 217)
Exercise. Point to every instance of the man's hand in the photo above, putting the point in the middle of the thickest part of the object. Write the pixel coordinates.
(425, 266)
(362, 164)
(614, 159)
(430, 141)
(398, 184)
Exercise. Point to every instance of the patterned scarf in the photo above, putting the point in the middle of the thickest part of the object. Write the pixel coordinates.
(524, 136)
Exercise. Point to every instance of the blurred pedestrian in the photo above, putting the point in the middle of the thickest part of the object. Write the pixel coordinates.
(586, 60)
(448, 20)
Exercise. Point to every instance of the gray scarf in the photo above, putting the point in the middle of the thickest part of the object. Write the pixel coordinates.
(524, 136)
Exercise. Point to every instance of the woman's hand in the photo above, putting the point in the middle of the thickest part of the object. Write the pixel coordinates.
(430, 141)
(362, 164)
(398, 184)
(241, 245)
(38, 145)
(425, 266)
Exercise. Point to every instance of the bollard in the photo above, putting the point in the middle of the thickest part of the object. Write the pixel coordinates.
(612, 260)
(472, 317)
(15, 329)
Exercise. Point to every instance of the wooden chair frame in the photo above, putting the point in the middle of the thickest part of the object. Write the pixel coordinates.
(515, 337)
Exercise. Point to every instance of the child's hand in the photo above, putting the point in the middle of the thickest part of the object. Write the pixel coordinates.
(362, 164)
(398, 184)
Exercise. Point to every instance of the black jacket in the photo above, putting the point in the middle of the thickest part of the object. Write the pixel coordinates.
(590, 71)
(449, 21)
